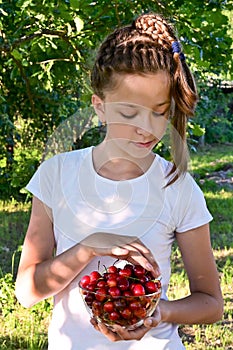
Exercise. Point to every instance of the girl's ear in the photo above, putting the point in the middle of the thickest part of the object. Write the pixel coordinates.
(98, 105)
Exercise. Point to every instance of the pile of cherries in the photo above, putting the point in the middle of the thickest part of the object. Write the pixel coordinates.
(124, 296)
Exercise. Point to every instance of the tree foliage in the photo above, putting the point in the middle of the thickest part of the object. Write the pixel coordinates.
(47, 49)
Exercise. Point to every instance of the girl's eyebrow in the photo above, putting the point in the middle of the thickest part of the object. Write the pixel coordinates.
(125, 104)
(134, 105)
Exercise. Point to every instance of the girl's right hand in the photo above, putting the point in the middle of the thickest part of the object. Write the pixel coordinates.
(118, 333)
(122, 247)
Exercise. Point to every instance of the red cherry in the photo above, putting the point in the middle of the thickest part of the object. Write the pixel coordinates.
(126, 272)
(101, 284)
(85, 280)
(112, 269)
(143, 279)
(101, 294)
(138, 290)
(114, 292)
(97, 307)
(94, 276)
(122, 283)
(129, 266)
(89, 298)
(151, 287)
(126, 313)
(132, 285)
(114, 316)
(133, 320)
(135, 305)
(141, 312)
(111, 282)
(91, 287)
(127, 293)
(108, 306)
(139, 271)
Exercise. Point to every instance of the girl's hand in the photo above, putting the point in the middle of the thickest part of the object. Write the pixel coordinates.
(117, 333)
(121, 247)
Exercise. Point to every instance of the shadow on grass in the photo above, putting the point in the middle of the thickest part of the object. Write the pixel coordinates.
(13, 226)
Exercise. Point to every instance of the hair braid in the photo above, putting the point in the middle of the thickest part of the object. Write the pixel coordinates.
(155, 27)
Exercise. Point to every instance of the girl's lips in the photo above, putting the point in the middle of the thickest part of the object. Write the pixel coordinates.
(145, 144)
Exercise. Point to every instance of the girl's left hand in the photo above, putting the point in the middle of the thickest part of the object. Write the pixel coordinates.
(118, 333)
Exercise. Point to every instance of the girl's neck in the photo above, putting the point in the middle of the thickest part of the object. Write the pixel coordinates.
(115, 166)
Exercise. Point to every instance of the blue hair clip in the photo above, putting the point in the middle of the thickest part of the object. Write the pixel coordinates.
(177, 49)
(182, 56)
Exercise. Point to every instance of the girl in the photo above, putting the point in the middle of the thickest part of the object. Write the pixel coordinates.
(121, 200)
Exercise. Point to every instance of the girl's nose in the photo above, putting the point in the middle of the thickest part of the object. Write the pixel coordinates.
(144, 126)
(142, 131)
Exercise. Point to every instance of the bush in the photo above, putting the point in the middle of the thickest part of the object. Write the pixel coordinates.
(215, 114)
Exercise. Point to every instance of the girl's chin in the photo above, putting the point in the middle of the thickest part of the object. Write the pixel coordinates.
(136, 151)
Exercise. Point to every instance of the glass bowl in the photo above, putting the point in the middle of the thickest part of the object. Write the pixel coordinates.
(115, 299)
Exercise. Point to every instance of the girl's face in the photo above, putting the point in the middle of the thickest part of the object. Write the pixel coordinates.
(136, 112)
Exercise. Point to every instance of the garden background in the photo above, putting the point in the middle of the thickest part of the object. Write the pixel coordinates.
(47, 49)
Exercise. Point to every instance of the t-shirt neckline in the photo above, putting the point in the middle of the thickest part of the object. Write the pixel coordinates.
(136, 179)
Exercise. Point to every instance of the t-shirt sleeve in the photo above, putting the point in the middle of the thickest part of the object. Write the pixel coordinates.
(192, 211)
(42, 182)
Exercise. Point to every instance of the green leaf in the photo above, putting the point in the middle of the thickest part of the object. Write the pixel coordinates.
(196, 129)
(16, 54)
(74, 4)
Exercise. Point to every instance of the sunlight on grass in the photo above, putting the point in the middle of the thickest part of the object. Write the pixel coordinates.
(211, 158)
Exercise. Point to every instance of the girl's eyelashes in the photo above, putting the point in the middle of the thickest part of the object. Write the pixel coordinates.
(161, 114)
(128, 116)
(133, 114)
(156, 114)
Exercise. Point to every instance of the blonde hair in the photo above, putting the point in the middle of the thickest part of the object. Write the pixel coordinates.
(144, 47)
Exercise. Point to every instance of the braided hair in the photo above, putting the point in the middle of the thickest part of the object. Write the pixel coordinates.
(146, 47)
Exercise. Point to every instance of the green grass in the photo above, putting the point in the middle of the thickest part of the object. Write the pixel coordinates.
(14, 218)
(27, 328)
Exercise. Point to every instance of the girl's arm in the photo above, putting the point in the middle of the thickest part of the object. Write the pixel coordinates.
(41, 275)
(205, 302)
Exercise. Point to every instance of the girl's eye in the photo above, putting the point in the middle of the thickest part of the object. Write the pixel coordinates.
(155, 114)
(163, 114)
(128, 116)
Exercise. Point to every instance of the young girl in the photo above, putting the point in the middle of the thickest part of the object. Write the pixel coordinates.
(121, 200)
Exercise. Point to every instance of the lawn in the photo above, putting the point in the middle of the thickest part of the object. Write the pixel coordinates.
(212, 168)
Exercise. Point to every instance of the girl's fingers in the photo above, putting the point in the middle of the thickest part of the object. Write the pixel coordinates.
(139, 254)
(123, 334)
(154, 320)
(112, 336)
(117, 333)
(123, 247)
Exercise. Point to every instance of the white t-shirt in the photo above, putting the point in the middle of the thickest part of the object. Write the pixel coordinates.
(82, 203)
